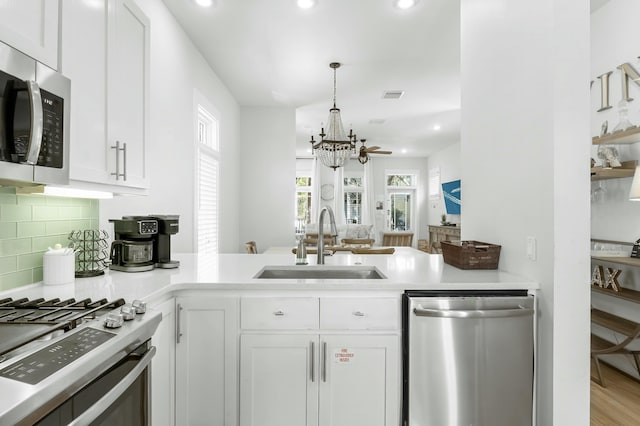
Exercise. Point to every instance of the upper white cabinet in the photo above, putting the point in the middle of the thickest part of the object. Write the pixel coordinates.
(105, 53)
(31, 26)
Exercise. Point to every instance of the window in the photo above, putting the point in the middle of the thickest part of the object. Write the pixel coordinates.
(352, 199)
(207, 176)
(400, 190)
(303, 203)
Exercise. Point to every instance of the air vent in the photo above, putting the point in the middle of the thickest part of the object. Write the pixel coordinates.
(392, 94)
(376, 121)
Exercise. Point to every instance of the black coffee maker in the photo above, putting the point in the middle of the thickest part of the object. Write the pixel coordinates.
(167, 226)
(133, 247)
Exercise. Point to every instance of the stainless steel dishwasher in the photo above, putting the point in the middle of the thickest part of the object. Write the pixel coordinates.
(468, 358)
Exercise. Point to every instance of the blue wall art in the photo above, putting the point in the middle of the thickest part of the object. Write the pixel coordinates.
(451, 194)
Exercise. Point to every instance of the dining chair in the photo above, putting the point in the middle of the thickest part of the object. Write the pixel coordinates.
(397, 239)
(251, 247)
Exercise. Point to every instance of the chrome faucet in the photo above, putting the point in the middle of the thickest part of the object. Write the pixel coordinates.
(334, 232)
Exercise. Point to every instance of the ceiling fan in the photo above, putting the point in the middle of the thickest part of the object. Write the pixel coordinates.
(363, 155)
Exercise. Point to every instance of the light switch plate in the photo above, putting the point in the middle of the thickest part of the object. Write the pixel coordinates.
(531, 248)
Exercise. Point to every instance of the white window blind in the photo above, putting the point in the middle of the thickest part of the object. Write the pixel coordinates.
(207, 181)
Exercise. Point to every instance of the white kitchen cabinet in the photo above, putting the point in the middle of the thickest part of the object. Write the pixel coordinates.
(31, 26)
(163, 367)
(359, 380)
(105, 53)
(293, 372)
(278, 380)
(206, 360)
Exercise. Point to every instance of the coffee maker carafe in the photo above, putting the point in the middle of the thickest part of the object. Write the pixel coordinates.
(133, 247)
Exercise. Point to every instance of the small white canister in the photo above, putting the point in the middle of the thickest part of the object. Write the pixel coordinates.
(59, 265)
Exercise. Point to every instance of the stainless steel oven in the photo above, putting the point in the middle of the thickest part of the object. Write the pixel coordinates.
(34, 121)
(85, 363)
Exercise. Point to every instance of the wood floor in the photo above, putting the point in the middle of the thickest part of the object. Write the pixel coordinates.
(619, 403)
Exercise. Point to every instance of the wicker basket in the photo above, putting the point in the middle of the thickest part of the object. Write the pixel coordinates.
(471, 254)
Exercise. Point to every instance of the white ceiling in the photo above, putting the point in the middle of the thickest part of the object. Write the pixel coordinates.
(271, 53)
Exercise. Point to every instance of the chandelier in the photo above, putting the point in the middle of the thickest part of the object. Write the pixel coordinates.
(335, 146)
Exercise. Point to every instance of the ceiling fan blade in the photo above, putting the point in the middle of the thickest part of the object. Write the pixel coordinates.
(372, 148)
(381, 152)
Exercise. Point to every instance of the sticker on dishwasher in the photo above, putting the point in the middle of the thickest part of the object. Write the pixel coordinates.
(343, 356)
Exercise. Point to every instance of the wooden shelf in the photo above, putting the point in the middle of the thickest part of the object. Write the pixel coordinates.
(631, 135)
(614, 322)
(624, 293)
(626, 170)
(628, 261)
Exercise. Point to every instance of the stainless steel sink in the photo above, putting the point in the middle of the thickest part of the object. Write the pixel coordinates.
(321, 272)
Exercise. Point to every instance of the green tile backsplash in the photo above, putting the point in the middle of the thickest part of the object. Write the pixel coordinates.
(29, 224)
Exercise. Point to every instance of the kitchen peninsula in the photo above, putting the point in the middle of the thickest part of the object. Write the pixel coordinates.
(228, 339)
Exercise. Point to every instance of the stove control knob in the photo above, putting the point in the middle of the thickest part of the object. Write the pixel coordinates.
(128, 312)
(139, 306)
(113, 320)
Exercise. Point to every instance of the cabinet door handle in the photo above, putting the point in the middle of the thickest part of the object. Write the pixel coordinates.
(358, 313)
(324, 361)
(279, 313)
(117, 174)
(124, 161)
(313, 361)
(178, 331)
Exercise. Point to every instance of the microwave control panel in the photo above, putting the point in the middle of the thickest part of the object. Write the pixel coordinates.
(51, 149)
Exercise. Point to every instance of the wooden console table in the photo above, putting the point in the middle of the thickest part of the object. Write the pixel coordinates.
(439, 233)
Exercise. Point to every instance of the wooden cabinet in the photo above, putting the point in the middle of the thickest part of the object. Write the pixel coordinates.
(31, 26)
(293, 372)
(163, 367)
(206, 360)
(105, 53)
(614, 314)
(442, 233)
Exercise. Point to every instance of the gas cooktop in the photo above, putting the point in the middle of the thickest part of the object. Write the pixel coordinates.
(23, 321)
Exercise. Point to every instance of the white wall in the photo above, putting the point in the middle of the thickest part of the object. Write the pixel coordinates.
(176, 69)
(614, 31)
(524, 152)
(267, 178)
(448, 162)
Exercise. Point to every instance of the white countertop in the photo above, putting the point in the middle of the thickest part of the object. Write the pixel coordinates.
(406, 269)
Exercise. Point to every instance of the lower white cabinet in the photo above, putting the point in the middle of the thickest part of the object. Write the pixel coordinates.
(326, 380)
(299, 366)
(163, 367)
(206, 360)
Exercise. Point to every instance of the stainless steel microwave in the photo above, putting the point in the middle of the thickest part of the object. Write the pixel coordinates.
(34, 121)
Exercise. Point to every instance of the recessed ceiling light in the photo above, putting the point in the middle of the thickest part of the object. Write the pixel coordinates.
(306, 4)
(436, 127)
(205, 3)
(404, 4)
(404, 150)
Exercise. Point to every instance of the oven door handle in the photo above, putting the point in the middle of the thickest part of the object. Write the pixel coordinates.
(105, 402)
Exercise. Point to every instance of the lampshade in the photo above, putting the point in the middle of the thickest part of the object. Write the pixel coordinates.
(634, 194)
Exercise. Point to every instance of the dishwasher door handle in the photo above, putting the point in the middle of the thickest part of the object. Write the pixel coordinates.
(474, 313)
